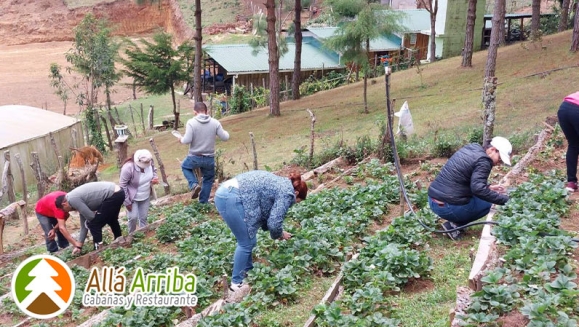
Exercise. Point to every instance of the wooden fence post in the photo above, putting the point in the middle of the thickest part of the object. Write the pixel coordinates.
(108, 133)
(118, 117)
(161, 167)
(74, 138)
(150, 117)
(60, 174)
(8, 182)
(122, 148)
(254, 151)
(143, 120)
(312, 136)
(40, 176)
(4, 181)
(24, 193)
(133, 119)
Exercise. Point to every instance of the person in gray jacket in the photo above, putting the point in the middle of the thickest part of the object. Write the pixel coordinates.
(98, 204)
(200, 134)
(138, 174)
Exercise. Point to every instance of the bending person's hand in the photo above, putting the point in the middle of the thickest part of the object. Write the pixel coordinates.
(51, 235)
(498, 189)
(285, 235)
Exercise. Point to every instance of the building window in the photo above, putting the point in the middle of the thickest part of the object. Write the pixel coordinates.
(413, 39)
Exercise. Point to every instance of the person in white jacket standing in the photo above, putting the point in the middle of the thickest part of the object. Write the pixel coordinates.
(200, 134)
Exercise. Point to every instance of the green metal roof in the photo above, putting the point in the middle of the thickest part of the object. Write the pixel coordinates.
(416, 20)
(384, 43)
(239, 59)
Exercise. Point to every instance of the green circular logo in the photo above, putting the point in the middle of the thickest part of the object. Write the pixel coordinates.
(43, 286)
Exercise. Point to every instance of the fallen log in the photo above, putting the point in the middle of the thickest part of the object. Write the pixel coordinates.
(323, 168)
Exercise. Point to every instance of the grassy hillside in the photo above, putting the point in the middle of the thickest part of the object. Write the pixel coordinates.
(445, 100)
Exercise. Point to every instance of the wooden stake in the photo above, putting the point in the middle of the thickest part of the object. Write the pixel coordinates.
(143, 120)
(108, 133)
(312, 136)
(166, 185)
(150, 117)
(225, 286)
(74, 138)
(24, 193)
(8, 182)
(133, 120)
(41, 180)
(118, 117)
(254, 151)
(4, 189)
(56, 151)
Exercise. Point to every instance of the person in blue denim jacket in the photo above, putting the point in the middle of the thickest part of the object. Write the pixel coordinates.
(253, 200)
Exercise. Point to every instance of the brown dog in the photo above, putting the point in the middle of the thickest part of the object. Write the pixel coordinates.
(85, 155)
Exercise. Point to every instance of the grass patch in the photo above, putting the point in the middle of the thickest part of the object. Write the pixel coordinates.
(213, 12)
(296, 314)
(451, 269)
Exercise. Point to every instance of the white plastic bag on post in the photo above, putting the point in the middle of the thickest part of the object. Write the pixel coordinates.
(405, 125)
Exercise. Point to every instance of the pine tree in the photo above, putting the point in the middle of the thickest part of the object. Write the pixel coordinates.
(158, 67)
(361, 22)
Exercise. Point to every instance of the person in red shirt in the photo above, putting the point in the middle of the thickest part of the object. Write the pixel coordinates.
(53, 222)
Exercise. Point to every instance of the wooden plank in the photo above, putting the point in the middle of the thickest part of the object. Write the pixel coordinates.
(330, 294)
(96, 319)
(322, 169)
(485, 253)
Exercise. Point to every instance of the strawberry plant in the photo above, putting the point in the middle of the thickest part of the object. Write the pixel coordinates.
(141, 317)
(538, 253)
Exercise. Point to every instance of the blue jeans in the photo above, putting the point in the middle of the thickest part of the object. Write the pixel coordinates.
(461, 214)
(48, 223)
(207, 167)
(229, 205)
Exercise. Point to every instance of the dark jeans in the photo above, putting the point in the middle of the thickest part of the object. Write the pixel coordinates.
(568, 115)
(229, 205)
(108, 214)
(207, 167)
(461, 214)
(48, 223)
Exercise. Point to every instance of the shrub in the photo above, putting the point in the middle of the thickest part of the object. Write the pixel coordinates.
(443, 148)
(240, 100)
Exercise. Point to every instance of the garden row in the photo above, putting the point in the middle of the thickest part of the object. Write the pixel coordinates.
(329, 225)
(536, 277)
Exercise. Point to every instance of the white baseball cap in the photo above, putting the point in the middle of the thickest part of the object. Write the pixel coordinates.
(505, 148)
(142, 158)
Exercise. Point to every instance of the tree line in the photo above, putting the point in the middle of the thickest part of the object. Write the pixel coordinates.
(157, 66)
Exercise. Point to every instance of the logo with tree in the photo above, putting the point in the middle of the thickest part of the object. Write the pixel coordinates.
(43, 286)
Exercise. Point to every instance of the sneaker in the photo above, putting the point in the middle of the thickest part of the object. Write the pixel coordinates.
(571, 186)
(454, 235)
(235, 287)
(195, 192)
(98, 245)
